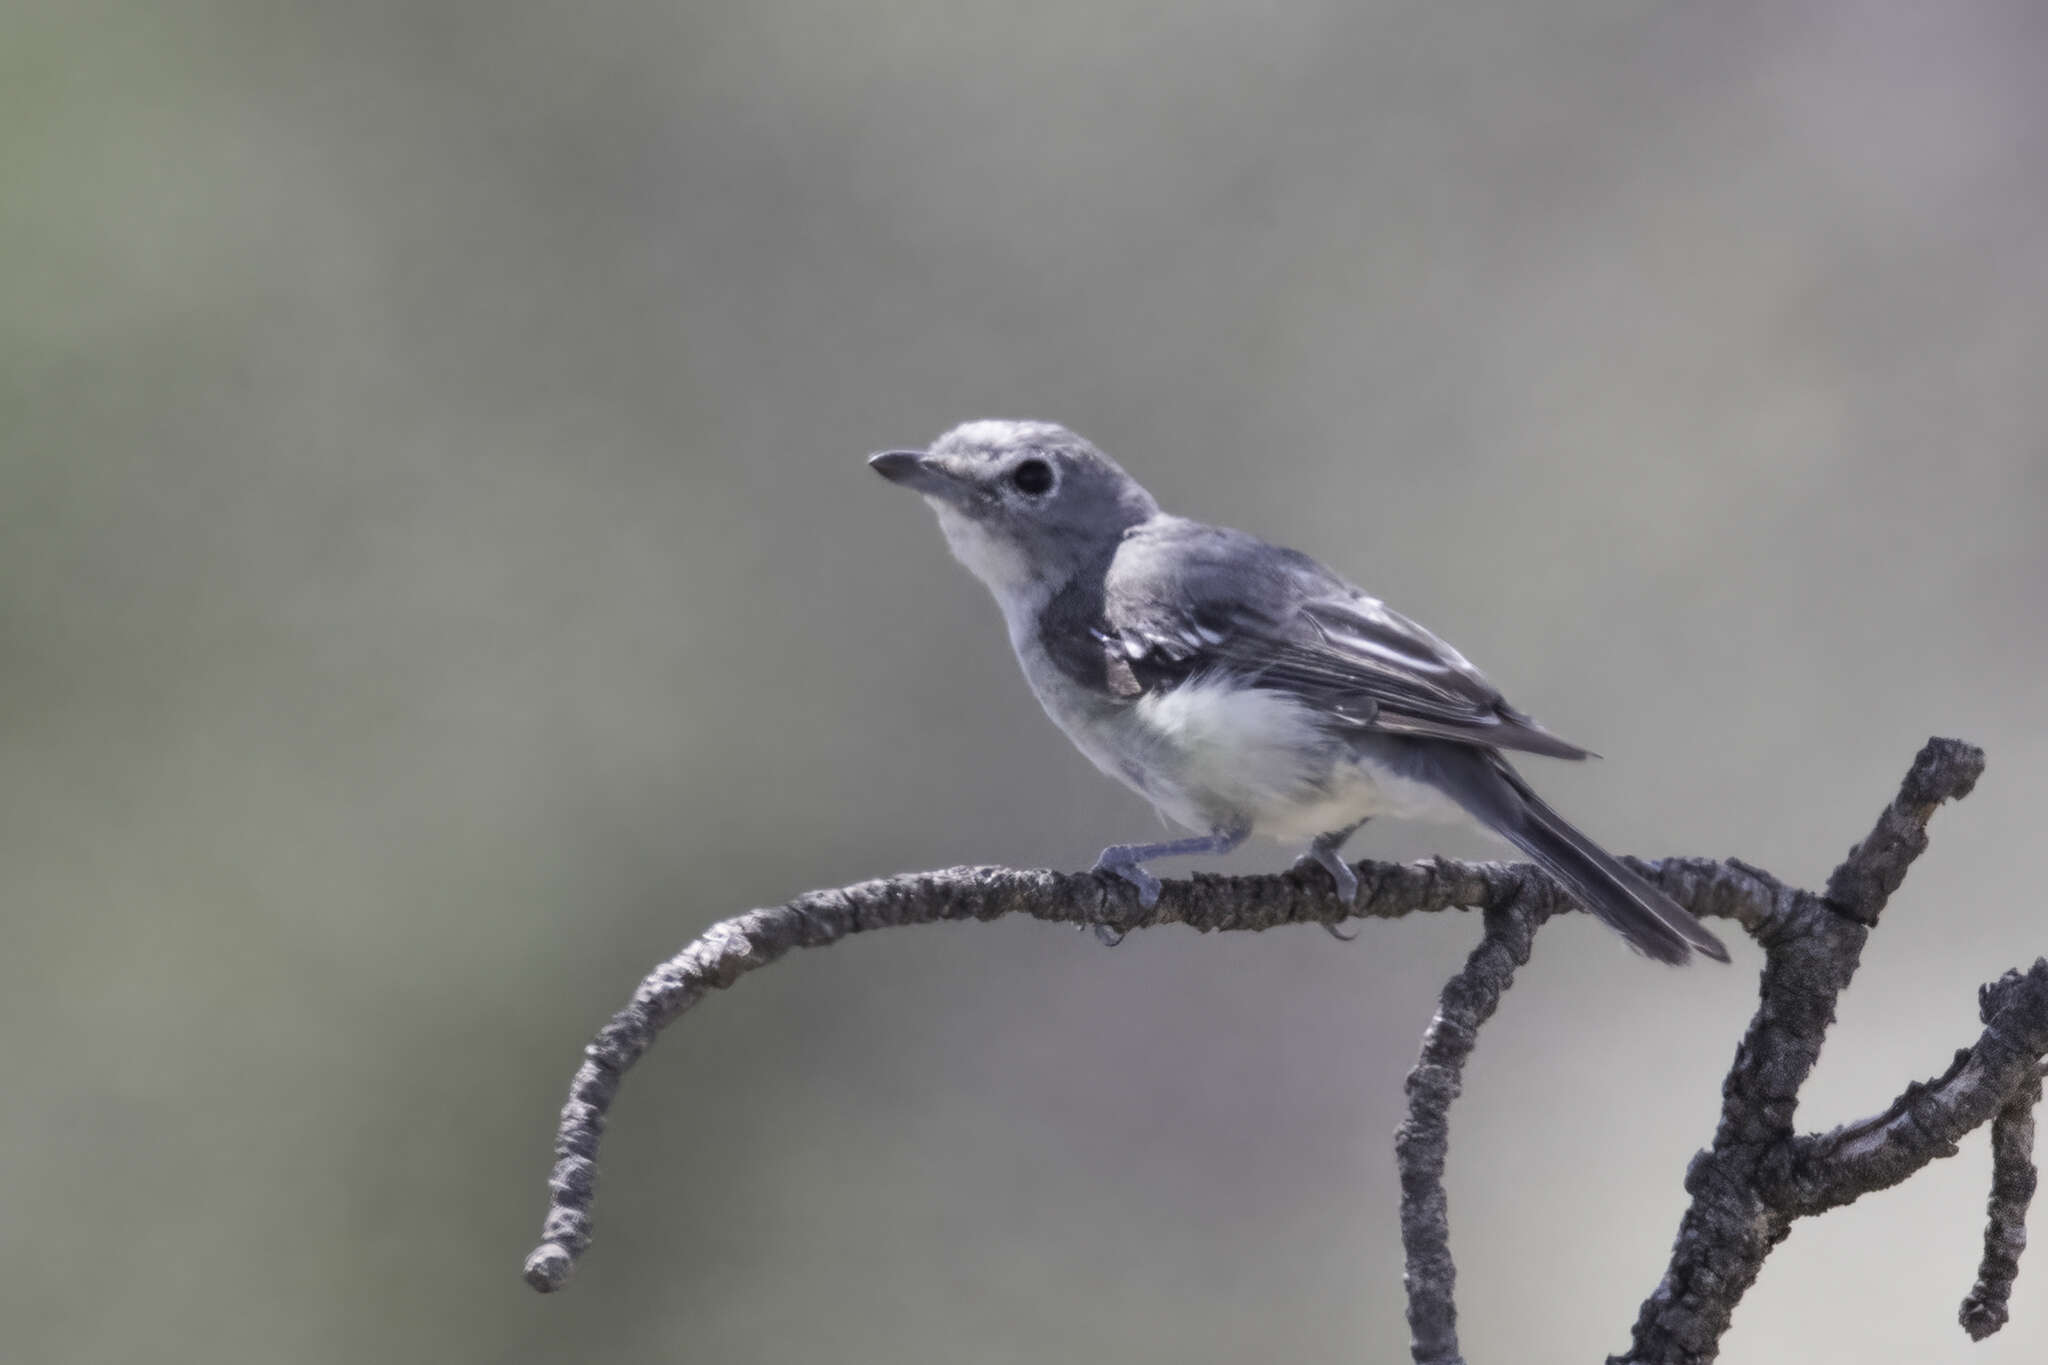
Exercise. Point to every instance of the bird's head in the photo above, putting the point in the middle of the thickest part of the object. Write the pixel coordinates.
(1024, 505)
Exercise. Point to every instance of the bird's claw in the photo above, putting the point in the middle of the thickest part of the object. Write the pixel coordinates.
(1147, 884)
(1134, 873)
(1148, 894)
(1342, 873)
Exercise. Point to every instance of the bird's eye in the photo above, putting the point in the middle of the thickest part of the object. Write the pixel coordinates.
(1033, 477)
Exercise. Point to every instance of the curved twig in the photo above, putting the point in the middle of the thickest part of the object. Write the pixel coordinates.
(732, 948)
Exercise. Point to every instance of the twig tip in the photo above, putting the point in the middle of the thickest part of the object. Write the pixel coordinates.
(1981, 1318)
(549, 1267)
(1943, 770)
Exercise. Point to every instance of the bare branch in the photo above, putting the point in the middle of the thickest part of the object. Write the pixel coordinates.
(1944, 770)
(1812, 947)
(1927, 1120)
(734, 947)
(2005, 1230)
(1747, 1188)
(1468, 1000)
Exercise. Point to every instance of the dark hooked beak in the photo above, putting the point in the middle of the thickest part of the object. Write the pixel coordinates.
(911, 469)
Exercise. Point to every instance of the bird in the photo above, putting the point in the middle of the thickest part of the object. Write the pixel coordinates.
(1241, 687)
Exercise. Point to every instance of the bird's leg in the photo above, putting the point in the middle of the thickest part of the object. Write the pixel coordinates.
(1128, 861)
(1322, 851)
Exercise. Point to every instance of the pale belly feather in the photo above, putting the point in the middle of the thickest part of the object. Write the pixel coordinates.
(1212, 754)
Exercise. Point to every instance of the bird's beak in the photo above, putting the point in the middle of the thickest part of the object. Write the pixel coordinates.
(915, 471)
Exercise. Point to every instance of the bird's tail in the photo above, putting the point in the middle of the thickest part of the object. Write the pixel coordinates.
(1493, 793)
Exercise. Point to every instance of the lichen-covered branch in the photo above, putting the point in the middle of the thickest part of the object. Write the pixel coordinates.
(2013, 1179)
(1927, 1120)
(1468, 1000)
(734, 947)
(1757, 1176)
(730, 949)
(1747, 1187)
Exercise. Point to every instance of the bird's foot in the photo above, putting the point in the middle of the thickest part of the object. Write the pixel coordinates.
(1134, 873)
(1119, 859)
(1128, 861)
(1325, 856)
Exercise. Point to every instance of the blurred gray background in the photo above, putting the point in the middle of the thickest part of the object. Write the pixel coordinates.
(439, 578)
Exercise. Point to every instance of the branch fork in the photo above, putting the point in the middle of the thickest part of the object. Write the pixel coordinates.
(1747, 1187)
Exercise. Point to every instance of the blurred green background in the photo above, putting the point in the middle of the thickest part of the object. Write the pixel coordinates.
(438, 577)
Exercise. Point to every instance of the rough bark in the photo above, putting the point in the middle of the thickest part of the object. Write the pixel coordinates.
(1757, 1176)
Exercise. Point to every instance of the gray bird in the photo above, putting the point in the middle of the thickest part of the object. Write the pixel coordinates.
(1243, 688)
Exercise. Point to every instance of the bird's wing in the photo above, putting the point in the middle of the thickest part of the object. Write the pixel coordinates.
(1182, 600)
